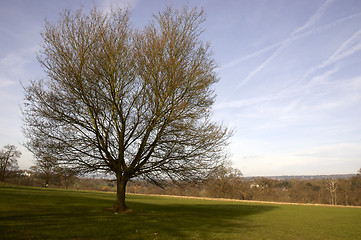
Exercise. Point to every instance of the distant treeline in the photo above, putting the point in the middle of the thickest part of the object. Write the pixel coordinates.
(316, 191)
(227, 183)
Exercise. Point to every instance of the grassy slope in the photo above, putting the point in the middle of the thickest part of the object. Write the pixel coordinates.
(35, 213)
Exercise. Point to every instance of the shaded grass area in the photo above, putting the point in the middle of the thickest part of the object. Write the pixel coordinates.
(36, 213)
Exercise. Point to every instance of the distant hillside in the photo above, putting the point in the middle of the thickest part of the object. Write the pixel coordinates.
(305, 177)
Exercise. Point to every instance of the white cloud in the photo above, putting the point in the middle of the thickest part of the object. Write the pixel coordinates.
(5, 82)
(327, 159)
(335, 151)
(108, 5)
(13, 62)
(13, 66)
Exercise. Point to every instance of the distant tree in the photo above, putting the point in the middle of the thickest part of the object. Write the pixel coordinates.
(8, 160)
(134, 103)
(67, 175)
(45, 168)
(344, 190)
(224, 181)
(331, 186)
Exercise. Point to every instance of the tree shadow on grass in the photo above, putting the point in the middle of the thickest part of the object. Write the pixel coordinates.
(201, 220)
(79, 215)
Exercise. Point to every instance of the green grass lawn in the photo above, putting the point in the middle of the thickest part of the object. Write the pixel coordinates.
(36, 213)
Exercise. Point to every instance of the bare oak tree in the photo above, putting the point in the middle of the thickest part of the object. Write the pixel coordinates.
(8, 160)
(131, 102)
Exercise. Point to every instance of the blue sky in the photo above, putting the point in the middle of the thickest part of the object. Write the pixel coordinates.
(290, 76)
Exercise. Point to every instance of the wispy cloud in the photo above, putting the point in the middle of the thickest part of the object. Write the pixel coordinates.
(326, 159)
(245, 102)
(307, 106)
(108, 5)
(315, 17)
(302, 103)
(297, 34)
(250, 56)
(284, 44)
(13, 65)
(336, 151)
(349, 47)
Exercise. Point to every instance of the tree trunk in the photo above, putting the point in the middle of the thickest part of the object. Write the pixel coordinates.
(120, 205)
(3, 171)
(2, 176)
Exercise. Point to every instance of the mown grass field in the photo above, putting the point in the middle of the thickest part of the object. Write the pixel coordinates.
(36, 213)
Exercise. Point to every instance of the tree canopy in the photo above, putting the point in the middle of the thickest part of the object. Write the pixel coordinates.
(8, 160)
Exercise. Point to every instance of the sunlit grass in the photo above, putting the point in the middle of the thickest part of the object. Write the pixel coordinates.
(36, 213)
